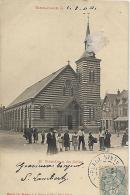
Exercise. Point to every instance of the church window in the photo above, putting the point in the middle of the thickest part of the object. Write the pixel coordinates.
(79, 77)
(68, 88)
(125, 112)
(93, 113)
(89, 113)
(15, 114)
(72, 91)
(42, 112)
(91, 76)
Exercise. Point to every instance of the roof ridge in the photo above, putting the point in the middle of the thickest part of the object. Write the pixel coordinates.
(46, 77)
(32, 91)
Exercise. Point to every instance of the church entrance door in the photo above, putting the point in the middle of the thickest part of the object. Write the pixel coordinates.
(69, 122)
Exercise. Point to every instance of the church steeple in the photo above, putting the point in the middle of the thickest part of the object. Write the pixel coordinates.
(87, 34)
(88, 74)
(89, 47)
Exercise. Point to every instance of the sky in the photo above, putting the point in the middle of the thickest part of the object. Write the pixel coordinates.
(38, 37)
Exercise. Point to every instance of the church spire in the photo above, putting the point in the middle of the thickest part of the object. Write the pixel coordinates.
(87, 33)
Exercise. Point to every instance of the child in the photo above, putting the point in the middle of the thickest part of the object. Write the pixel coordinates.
(75, 140)
(90, 141)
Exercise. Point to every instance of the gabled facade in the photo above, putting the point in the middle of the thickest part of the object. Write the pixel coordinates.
(115, 111)
(65, 99)
(45, 109)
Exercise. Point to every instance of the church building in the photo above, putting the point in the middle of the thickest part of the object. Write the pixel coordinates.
(63, 100)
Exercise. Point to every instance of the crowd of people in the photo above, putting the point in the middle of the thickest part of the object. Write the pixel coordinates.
(58, 142)
(31, 135)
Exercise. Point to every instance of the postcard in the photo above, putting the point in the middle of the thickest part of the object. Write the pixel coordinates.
(63, 97)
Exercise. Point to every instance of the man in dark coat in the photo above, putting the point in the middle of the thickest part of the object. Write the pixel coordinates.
(66, 141)
(35, 135)
(49, 142)
(125, 139)
(43, 136)
(29, 135)
(107, 139)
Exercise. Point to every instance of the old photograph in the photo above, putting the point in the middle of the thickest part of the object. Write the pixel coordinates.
(63, 97)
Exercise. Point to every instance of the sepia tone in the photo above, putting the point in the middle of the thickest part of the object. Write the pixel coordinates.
(64, 97)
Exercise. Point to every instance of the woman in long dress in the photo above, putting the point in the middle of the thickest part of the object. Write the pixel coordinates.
(53, 143)
(107, 139)
(49, 141)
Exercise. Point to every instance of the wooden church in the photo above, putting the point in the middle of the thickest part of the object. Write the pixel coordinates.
(63, 100)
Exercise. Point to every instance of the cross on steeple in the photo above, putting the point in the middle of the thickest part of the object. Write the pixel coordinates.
(68, 62)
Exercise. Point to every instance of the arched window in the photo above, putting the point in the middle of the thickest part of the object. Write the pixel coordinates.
(79, 77)
(15, 114)
(91, 76)
(68, 88)
(89, 113)
(42, 112)
(93, 113)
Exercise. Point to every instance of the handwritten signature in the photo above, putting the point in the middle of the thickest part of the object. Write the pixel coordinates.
(41, 176)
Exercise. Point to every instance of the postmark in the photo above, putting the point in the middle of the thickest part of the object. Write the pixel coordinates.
(112, 181)
(107, 172)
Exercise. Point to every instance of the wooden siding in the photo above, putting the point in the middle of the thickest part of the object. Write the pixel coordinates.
(89, 92)
(28, 114)
(53, 97)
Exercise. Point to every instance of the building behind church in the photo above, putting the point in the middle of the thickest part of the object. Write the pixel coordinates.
(115, 111)
(63, 100)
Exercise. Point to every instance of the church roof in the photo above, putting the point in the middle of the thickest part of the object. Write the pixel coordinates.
(111, 96)
(35, 89)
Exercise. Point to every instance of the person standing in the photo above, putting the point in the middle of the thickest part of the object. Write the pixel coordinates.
(90, 141)
(43, 136)
(53, 143)
(81, 139)
(125, 139)
(25, 133)
(66, 141)
(107, 139)
(101, 138)
(29, 135)
(35, 135)
(75, 140)
(60, 142)
(49, 141)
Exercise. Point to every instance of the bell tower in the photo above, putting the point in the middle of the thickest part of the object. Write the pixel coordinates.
(88, 71)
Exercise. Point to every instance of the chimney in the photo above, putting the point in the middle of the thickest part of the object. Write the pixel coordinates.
(118, 92)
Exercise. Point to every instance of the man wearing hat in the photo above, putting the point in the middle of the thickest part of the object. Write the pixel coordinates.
(81, 139)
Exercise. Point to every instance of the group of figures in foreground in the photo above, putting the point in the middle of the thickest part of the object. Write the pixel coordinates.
(58, 142)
